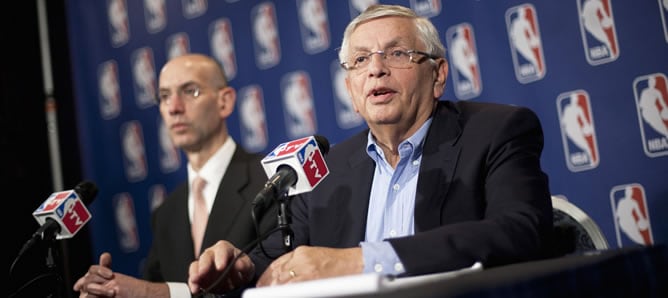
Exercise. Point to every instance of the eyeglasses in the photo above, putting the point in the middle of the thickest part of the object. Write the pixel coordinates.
(393, 57)
(186, 93)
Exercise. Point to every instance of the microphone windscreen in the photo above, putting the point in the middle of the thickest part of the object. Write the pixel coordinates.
(87, 191)
(323, 143)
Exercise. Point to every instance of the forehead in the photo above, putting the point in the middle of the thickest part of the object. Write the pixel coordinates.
(180, 71)
(382, 32)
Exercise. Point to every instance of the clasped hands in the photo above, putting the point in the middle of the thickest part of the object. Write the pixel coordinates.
(301, 264)
(101, 281)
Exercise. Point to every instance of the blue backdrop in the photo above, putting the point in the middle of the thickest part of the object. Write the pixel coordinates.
(593, 70)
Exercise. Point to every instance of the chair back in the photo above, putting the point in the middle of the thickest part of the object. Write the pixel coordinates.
(574, 230)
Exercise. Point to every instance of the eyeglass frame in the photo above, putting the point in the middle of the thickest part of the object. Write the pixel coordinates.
(384, 55)
(188, 92)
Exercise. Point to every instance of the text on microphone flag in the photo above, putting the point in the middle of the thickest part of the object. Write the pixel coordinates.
(75, 215)
(313, 164)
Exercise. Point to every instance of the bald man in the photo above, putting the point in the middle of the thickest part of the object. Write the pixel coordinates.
(195, 101)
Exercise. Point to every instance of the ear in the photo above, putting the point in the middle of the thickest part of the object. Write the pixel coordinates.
(227, 98)
(440, 77)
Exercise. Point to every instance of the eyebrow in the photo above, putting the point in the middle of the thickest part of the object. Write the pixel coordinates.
(184, 85)
(392, 43)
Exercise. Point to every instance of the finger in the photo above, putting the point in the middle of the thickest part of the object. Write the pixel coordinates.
(222, 257)
(79, 284)
(101, 271)
(243, 272)
(274, 274)
(95, 275)
(193, 277)
(98, 290)
(105, 259)
(268, 277)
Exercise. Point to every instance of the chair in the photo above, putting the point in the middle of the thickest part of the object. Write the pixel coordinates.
(574, 230)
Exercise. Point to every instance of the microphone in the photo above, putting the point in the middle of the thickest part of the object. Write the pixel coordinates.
(294, 167)
(64, 213)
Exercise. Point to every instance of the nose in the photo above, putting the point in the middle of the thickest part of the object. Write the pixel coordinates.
(377, 67)
(175, 104)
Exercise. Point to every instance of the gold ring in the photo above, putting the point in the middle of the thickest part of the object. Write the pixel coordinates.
(292, 273)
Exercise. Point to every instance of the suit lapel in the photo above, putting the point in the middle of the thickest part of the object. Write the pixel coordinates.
(228, 203)
(180, 226)
(439, 159)
(338, 207)
(361, 172)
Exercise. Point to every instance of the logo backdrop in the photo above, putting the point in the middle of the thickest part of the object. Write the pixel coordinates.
(595, 72)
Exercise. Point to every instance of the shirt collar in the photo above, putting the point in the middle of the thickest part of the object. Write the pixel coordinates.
(415, 142)
(216, 166)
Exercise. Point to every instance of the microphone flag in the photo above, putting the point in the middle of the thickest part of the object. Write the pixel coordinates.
(67, 209)
(305, 157)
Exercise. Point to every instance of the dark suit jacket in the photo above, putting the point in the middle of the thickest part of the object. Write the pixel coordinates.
(172, 250)
(481, 193)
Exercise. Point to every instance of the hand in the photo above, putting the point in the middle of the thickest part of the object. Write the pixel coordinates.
(101, 281)
(308, 262)
(95, 279)
(205, 271)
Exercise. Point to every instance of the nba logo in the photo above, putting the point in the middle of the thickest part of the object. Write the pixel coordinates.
(177, 45)
(651, 93)
(119, 27)
(155, 15)
(156, 196)
(126, 223)
(631, 214)
(252, 116)
(133, 151)
(286, 149)
(346, 116)
(525, 43)
(598, 31)
(110, 90)
(222, 46)
(464, 56)
(426, 8)
(193, 8)
(54, 201)
(265, 35)
(314, 25)
(170, 159)
(578, 132)
(143, 71)
(298, 102)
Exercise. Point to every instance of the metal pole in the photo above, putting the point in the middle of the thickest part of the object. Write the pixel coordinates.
(62, 281)
(50, 102)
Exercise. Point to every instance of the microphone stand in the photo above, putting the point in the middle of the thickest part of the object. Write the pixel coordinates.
(284, 221)
(52, 257)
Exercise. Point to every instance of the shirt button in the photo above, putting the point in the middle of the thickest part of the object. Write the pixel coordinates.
(395, 187)
(393, 233)
(399, 267)
(378, 268)
(416, 163)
